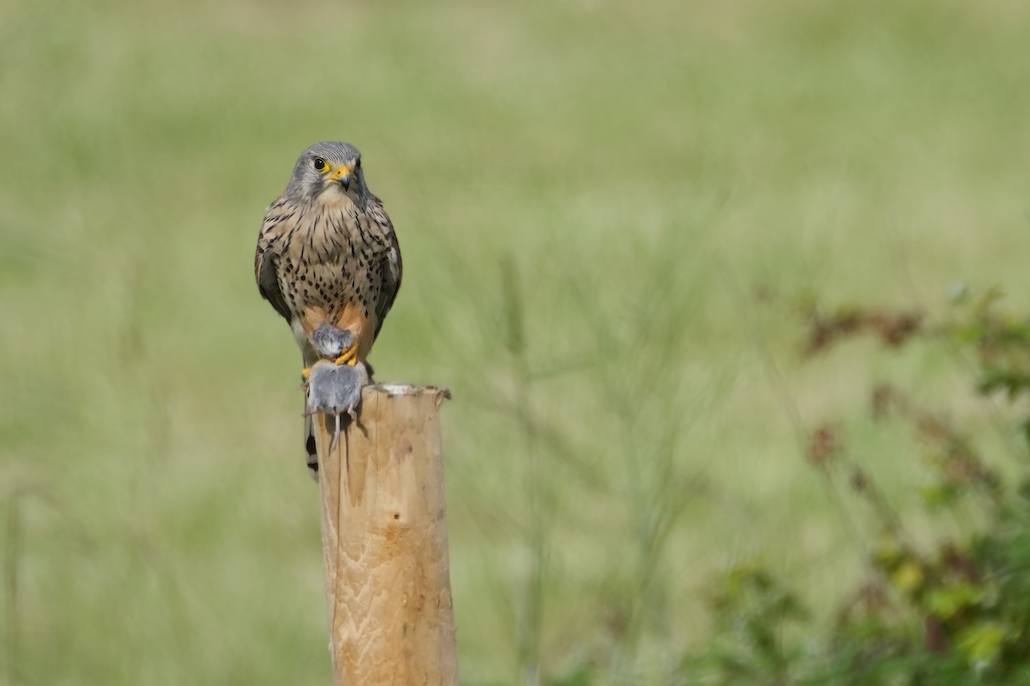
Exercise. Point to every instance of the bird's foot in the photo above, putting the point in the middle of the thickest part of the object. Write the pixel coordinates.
(349, 356)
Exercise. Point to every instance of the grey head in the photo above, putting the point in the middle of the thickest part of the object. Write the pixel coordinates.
(328, 167)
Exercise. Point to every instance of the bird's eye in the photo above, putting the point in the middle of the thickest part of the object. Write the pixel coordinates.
(357, 165)
(320, 164)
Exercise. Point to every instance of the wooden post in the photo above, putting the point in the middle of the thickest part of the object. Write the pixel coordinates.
(384, 540)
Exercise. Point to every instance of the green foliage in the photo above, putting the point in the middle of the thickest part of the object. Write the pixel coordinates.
(952, 611)
(753, 616)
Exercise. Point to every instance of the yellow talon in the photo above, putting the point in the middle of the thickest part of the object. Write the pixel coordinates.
(348, 356)
(306, 372)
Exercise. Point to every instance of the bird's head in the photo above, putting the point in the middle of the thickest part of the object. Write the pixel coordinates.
(328, 170)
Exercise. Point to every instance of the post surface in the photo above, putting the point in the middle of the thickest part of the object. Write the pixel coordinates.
(384, 542)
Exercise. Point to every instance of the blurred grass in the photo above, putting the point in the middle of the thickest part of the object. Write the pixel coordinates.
(644, 169)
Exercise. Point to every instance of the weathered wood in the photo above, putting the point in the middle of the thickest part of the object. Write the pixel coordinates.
(384, 540)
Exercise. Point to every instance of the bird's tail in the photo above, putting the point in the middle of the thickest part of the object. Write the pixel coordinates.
(311, 454)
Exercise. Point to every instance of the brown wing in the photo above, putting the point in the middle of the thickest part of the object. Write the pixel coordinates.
(391, 267)
(266, 260)
(266, 267)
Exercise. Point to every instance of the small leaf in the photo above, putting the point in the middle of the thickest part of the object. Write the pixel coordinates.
(982, 643)
(940, 495)
(888, 554)
(908, 577)
(948, 601)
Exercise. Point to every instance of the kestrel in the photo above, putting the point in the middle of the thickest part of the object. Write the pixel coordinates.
(328, 260)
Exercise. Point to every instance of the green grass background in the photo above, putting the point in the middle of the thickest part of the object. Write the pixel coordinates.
(591, 196)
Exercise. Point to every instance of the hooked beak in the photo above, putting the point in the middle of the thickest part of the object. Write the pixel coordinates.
(341, 175)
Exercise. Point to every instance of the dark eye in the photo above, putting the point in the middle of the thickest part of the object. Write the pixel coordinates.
(357, 165)
(319, 164)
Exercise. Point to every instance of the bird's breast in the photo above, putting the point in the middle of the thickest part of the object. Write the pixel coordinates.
(328, 260)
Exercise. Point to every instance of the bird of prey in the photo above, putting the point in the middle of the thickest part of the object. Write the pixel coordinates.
(328, 261)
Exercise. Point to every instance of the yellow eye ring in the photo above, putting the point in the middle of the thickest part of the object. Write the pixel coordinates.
(320, 165)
